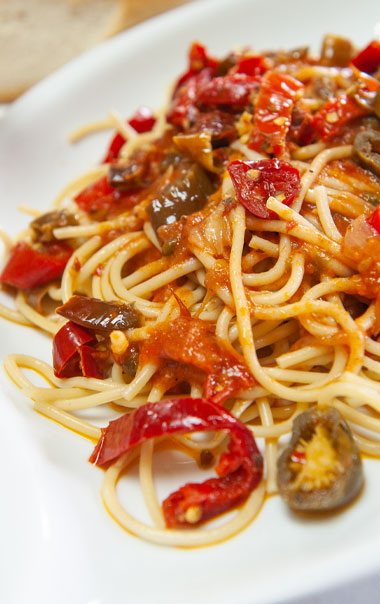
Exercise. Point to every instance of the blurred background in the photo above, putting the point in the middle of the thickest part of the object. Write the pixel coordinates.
(38, 36)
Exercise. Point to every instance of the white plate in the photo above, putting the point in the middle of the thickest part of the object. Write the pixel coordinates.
(58, 543)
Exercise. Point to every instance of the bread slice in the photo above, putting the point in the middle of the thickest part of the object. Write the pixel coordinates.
(38, 36)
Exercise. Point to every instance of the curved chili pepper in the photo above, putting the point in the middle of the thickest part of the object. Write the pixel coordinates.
(29, 267)
(273, 112)
(239, 469)
(255, 181)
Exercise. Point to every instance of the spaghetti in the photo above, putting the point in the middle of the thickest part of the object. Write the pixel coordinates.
(221, 270)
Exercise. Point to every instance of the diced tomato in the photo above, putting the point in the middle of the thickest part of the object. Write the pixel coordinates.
(273, 112)
(255, 181)
(29, 267)
(189, 341)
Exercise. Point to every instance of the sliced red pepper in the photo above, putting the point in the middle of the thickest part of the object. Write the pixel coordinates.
(29, 267)
(189, 341)
(334, 114)
(182, 107)
(368, 59)
(252, 66)
(374, 219)
(198, 60)
(239, 469)
(255, 181)
(93, 363)
(273, 112)
(101, 197)
(233, 91)
(72, 355)
(142, 121)
(66, 344)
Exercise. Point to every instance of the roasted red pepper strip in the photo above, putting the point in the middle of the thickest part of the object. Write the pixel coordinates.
(29, 267)
(189, 341)
(239, 469)
(66, 344)
(273, 112)
(368, 59)
(334, 114)
(233, 91)
(142, 121)
(255, 181)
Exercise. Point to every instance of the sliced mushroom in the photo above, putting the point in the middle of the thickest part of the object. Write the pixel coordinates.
(321, 468)
(367, 150)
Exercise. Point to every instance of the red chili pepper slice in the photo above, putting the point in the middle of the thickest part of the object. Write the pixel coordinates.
(28, 267)
(142, 121)
(273, 112)
(66, 344)
(231, 90)
(255, 181)
(252, 66)
(101, 197)
(374, 219)
(198, 60)
(93, 363)
(183, 103)
(368, 59)
(334, 114)
(239, 469)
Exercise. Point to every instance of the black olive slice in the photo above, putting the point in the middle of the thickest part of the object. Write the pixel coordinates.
(367, 150)
(321, 468)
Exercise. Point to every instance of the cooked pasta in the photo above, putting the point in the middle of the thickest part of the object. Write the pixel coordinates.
(225, 253)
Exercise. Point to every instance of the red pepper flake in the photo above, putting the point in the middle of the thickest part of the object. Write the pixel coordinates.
(99, 270)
